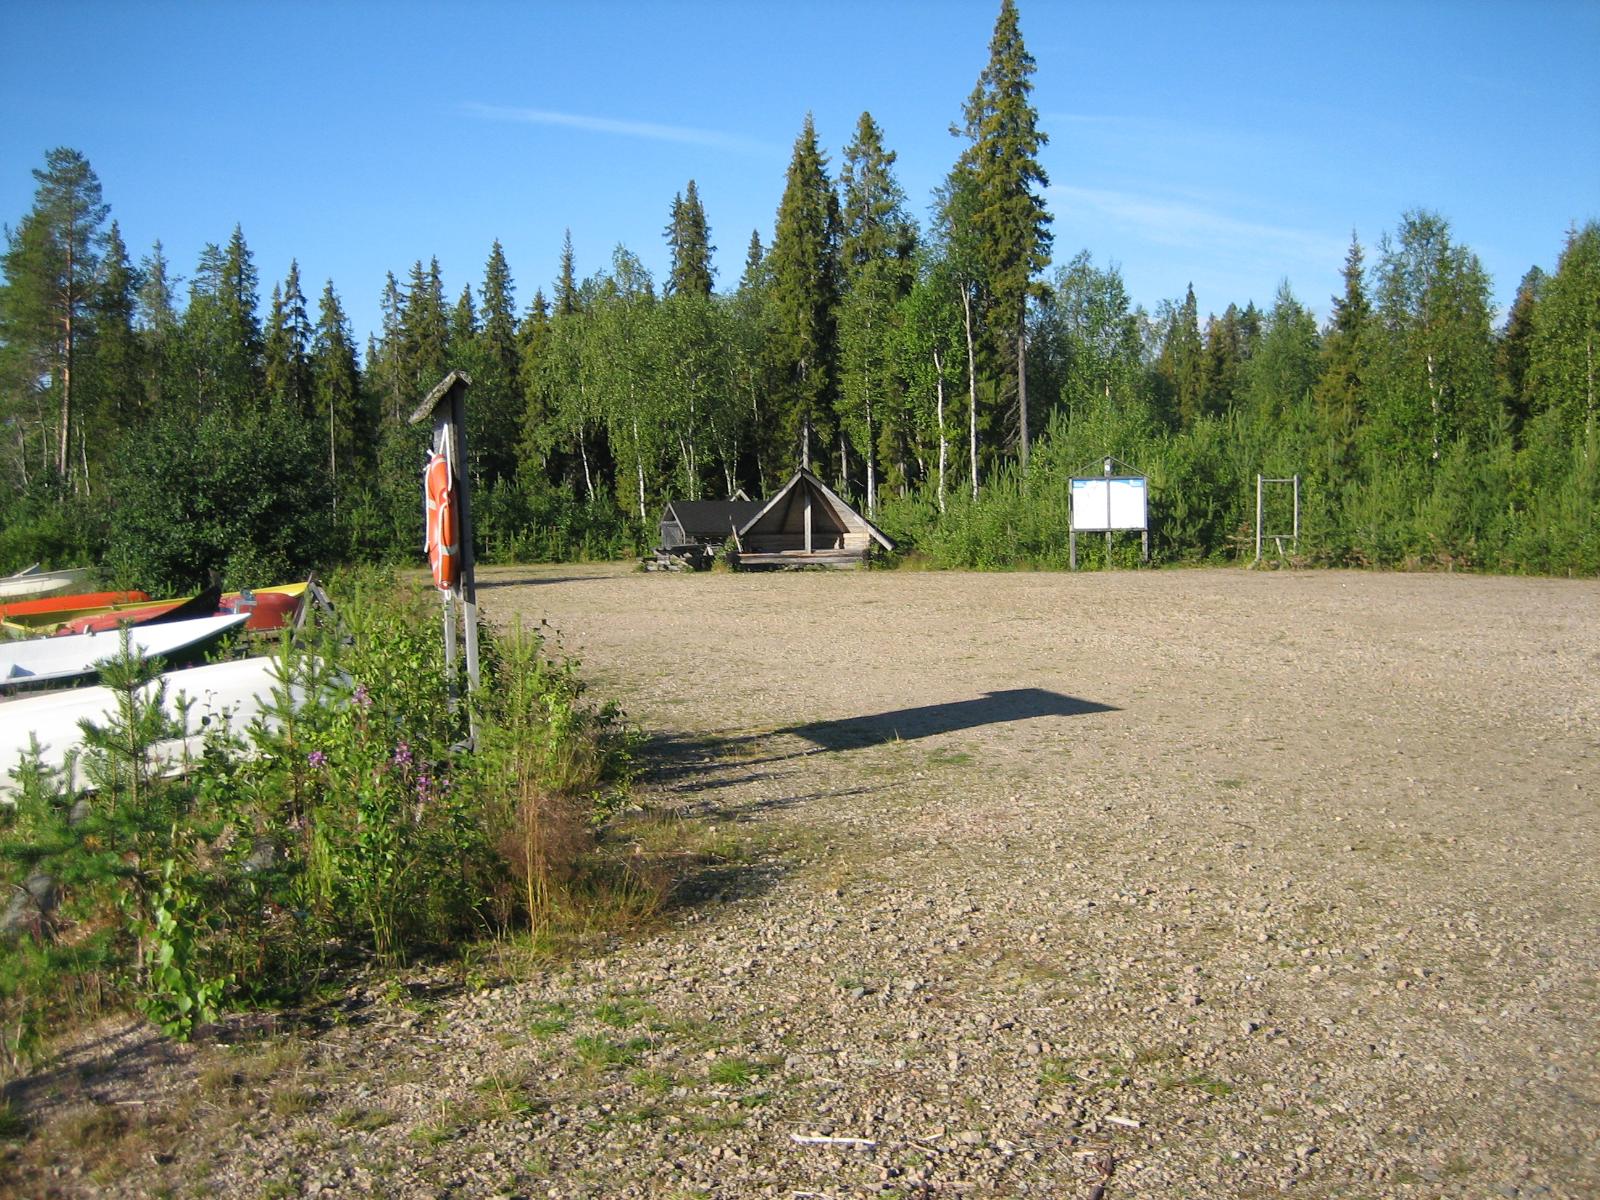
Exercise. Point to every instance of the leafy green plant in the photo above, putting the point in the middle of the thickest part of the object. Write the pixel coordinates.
(177, 994)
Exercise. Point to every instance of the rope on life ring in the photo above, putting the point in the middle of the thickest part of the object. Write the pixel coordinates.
(442, 541)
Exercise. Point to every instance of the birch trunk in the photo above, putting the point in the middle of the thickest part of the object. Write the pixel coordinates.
(583, 453)
(638, 462)
(972, 390)
(944, 442)
(1022, 390)
(872, 468)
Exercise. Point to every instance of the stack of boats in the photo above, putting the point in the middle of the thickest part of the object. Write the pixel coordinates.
(55, 642)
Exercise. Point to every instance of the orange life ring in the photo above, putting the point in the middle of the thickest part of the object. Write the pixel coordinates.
(442, 542)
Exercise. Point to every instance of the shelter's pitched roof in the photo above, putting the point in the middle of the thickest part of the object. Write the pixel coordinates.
(773, 512)
(710, 518)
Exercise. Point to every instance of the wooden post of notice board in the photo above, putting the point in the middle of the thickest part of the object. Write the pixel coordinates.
(446, 405)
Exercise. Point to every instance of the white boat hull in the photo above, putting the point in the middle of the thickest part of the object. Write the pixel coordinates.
(40, 583)
(59, 659)
(237, 692)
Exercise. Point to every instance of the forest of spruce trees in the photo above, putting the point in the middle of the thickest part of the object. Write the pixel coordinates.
(949, 379)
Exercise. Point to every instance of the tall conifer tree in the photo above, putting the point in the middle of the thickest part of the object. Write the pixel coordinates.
(1180, 366)
(567, 279)
(118, 355)
(876, 249)
(1008, 212)
(804, 265)
(689, 239)
(336, 390)
(156, 320)
(1346, 361)
(1514, 351)
(221, 333)
(286, 347)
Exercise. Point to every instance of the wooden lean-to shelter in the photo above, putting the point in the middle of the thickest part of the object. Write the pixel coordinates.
(692, 531)
(806, 524)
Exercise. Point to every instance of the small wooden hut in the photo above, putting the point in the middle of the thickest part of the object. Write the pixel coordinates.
(692, 531)
(806, 525)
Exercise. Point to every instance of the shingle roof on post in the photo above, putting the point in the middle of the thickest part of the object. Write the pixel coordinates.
(437, 396)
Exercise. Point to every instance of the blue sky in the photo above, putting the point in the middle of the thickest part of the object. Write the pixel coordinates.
(1233, 145)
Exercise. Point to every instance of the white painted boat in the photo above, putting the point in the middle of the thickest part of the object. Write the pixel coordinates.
(59, 659)
(40, 583)
(238, 692)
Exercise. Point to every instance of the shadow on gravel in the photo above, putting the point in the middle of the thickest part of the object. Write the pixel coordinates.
(485, 585)
(691, 762)
(907, 724)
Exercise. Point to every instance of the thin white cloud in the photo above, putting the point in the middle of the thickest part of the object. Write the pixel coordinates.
(646, 130)
(1154, 134)
(1188, 226)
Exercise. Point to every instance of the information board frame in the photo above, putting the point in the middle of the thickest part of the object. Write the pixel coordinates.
(1107, 503)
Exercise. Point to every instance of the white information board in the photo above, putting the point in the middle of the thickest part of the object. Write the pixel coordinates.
(1114, 502)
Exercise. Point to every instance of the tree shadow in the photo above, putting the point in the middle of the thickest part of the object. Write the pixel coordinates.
(927, 720)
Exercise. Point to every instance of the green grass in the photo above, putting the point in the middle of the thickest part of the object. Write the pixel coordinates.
(362, 1120)
(505, 1096)
(1057, 1072)
(623, 1012)
(655, 1082)
(602, 1054)
(733, 1072)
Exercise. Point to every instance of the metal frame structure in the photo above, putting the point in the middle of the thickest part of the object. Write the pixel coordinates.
(1277, 538)
(1108, 476)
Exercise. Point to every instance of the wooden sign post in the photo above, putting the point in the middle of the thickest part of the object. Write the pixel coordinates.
(446, 405)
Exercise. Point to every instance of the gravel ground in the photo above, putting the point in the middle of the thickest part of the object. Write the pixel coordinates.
(1176, 884)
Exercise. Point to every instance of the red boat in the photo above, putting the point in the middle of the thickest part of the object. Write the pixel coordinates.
(68, 604)
(268, 608)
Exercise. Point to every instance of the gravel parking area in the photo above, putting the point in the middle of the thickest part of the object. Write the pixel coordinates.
(1171, 883)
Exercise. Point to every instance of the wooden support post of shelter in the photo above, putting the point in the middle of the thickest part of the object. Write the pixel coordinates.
(446, 405)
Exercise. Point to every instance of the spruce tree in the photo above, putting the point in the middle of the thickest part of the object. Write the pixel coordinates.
(1514, 352)
(753, 369)
(1225, 362)
(496, 370)
(804, 263)
(286, 370)
(876, 249)
(1346, 358)
(1180, 365)
(463, 323)
(156, 320)
(533, 347)
(689, 239)
(336, 392)
(1008, 212)
(220, 337)
(118, 355)
(424, 333)
(567, 279)
(499, 316)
